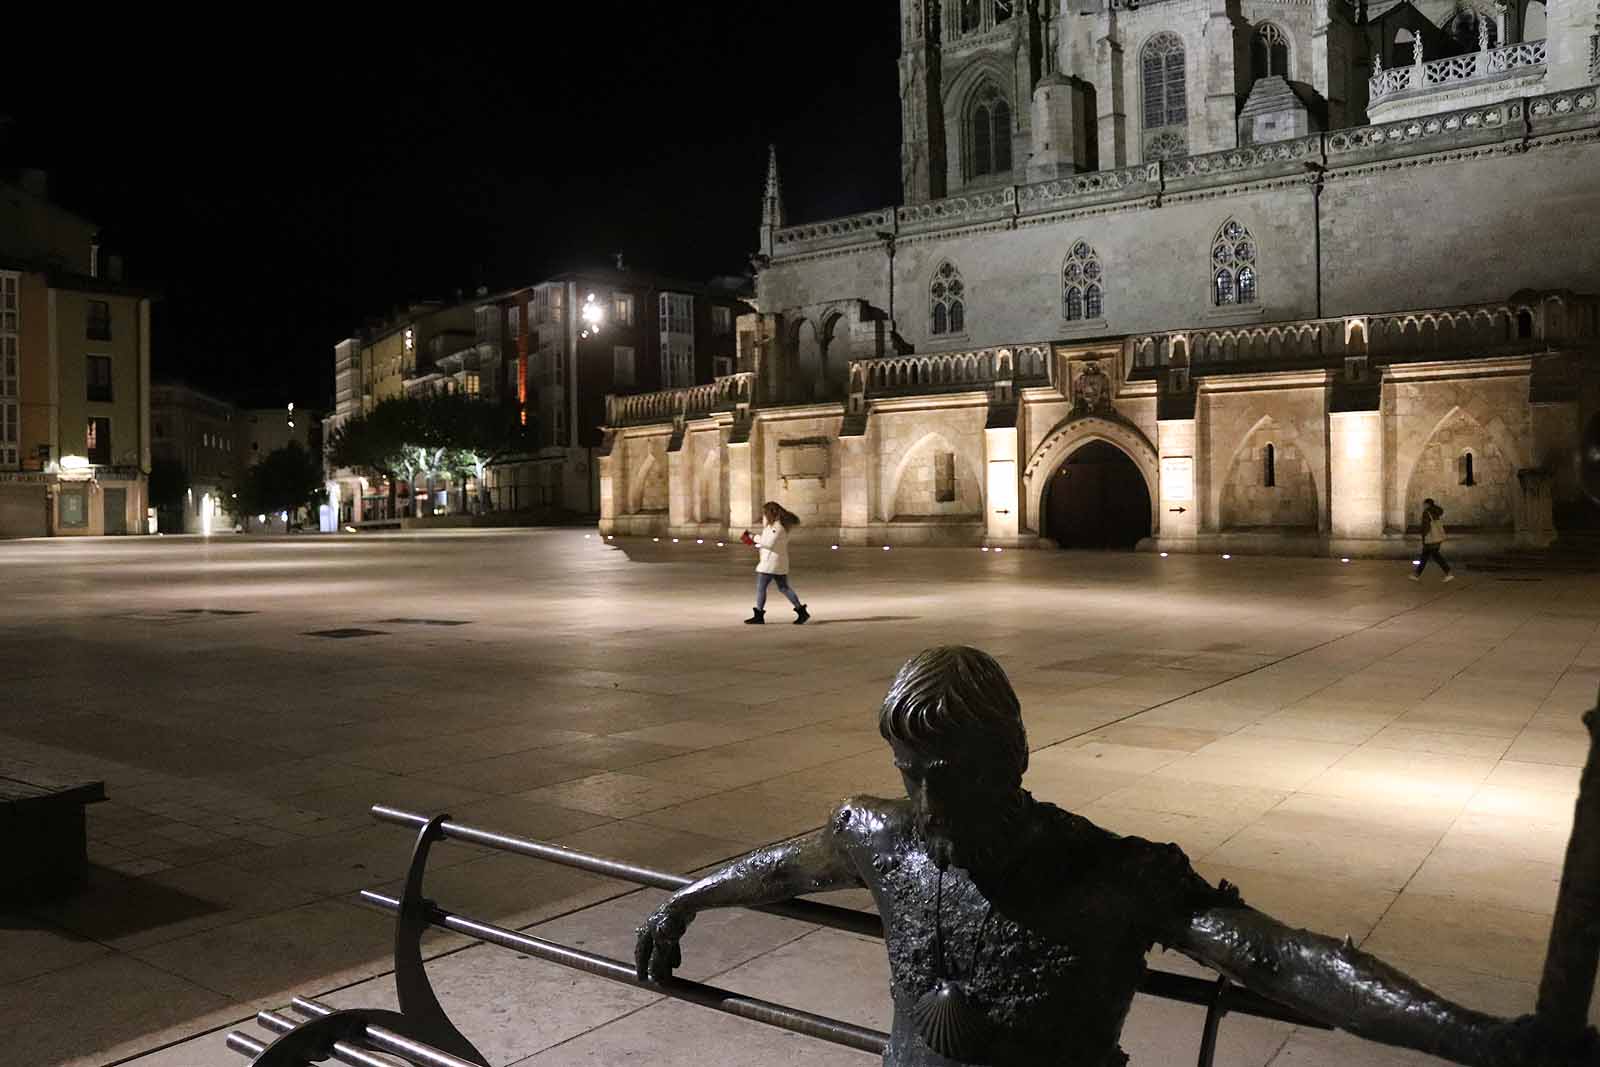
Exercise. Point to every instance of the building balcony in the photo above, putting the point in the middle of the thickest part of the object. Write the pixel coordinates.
(1456, 81)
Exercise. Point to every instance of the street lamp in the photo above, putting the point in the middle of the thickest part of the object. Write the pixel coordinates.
(593, 316)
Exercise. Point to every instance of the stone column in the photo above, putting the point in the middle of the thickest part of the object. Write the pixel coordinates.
(1536, 526)
(1178, 485)
(1112, 121)
(1355, 480)
(1572, 30)
(1002, 490)
(680, 489)
(855, 490)
(613, 490)
(1226, 52)
(744, 483)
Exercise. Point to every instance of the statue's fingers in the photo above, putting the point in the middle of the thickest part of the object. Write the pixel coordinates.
(660, 967)
(643, 944)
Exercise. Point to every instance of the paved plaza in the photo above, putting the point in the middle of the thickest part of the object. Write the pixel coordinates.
(1361, 754)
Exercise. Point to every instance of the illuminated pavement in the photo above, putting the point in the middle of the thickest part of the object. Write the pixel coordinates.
(1359, 753)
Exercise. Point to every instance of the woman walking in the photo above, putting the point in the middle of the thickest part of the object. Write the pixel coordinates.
(773, 565)
(1432, 541)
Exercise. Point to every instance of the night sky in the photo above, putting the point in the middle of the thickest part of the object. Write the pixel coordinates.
(280, 182)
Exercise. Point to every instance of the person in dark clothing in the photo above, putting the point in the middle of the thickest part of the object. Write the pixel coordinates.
(1432, 541)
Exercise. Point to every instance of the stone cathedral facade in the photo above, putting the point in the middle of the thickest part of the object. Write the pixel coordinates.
(1252, 275)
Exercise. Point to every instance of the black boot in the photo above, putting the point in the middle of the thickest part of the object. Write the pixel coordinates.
(757, 617)
(801, 615)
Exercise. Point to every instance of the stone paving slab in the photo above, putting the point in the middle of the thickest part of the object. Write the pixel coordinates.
(1270, 715)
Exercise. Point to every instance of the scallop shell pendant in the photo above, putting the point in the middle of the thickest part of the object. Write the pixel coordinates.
(951, 1023)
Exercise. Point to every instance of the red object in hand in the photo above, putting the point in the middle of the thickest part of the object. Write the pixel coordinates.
(746, 538)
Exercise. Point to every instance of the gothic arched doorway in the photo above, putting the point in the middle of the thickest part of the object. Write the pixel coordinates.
(1097, 498)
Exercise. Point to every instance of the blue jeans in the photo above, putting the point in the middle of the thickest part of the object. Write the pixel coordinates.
(763, 580)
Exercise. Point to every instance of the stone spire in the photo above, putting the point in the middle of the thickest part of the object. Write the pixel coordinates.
(771, 203)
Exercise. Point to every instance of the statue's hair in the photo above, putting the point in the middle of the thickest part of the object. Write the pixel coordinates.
(952, 699)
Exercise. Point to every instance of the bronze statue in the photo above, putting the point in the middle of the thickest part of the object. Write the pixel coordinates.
(1017, 932)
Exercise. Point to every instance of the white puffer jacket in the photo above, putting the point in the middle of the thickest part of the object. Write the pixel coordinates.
(773, 541)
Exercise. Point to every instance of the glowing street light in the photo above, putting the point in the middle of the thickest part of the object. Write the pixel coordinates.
(593, 316)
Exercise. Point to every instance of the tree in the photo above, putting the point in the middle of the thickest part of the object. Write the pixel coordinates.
(285, 479)
(408, 437)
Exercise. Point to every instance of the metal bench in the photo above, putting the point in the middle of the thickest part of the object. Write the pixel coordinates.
(421, 1033)
(41, 832)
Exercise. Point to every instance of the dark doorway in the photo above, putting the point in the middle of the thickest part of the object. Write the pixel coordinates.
(1097, 499)
(115, 502)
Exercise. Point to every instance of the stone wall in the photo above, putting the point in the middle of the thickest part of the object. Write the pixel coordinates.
(1460, 208)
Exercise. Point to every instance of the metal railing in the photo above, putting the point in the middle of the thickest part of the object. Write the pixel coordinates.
(421, 1033)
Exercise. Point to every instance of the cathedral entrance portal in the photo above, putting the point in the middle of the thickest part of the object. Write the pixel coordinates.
(1097, 499)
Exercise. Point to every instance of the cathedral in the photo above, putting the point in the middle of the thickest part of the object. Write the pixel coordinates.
(1177, 275)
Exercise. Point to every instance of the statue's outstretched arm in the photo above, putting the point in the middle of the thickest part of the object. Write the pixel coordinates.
(814, 863)
(1339, 984)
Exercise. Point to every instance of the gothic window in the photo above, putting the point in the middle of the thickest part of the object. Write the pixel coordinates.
(1465, 468)
(1162, 78)
(1082, 284)
(1269, 471)
(989, 133)
(971, 15)
(1269, 52)
(1233, 265)
(947, 299)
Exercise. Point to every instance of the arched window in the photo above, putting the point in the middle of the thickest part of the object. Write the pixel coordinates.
(947, 301)
(1466, 469)
(971, 15)
(1269, 468)
(988, 133)
(1082, 284)
(1233, 265)
(1269, 52)
(1162, 80)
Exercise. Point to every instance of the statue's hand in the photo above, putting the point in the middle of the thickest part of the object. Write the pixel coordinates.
(655, 952)
(1528, 1042)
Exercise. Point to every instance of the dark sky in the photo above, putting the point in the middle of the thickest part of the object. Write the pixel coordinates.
(280, 181)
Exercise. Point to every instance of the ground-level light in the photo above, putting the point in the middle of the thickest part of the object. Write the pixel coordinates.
(699, 540)
(1163, 555)
(1226, 556)
(1344, 559)
(985, 548)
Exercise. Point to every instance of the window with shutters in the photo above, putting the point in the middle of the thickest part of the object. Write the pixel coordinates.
(1163, 86)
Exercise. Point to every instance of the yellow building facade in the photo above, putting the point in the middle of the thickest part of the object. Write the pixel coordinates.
(74, 380)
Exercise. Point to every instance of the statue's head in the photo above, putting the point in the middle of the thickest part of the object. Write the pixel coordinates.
(955, 725)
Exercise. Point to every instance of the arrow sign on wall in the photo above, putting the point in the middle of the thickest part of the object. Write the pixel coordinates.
(1179, 510)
